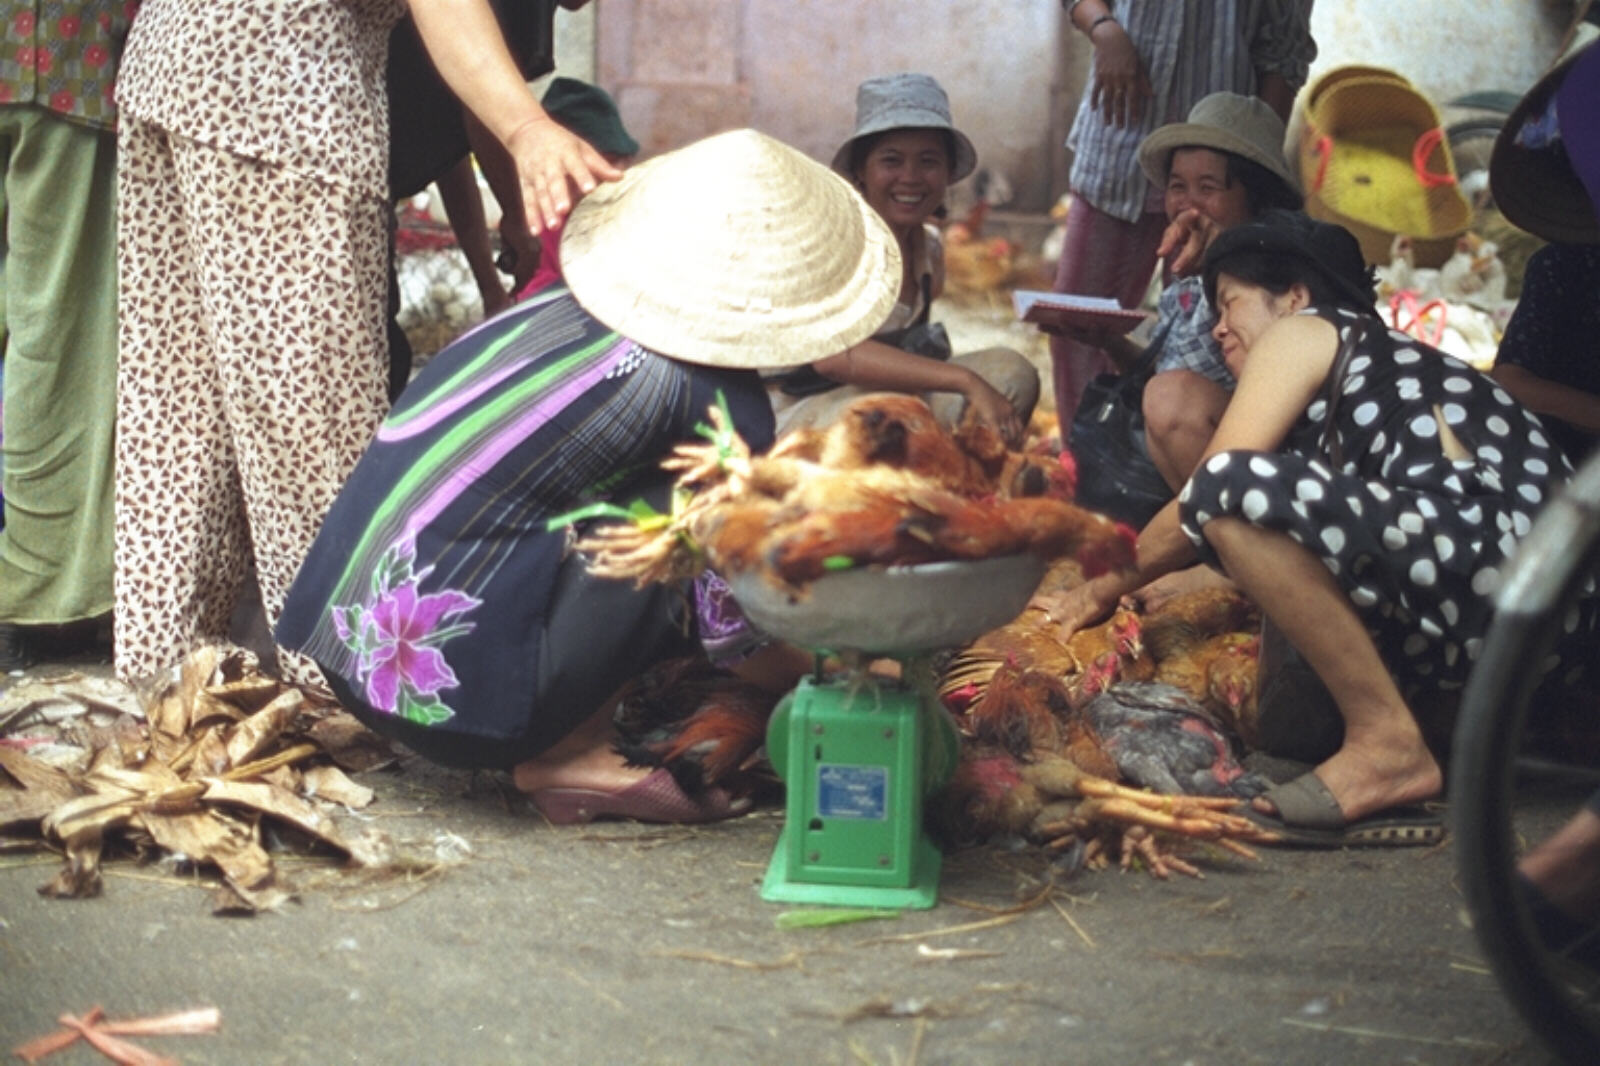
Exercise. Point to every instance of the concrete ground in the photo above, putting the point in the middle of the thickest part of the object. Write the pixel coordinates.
(516, 941)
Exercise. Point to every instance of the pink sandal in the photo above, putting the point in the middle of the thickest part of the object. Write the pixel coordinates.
(657, 798)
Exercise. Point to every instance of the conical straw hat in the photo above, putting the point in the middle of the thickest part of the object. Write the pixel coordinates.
(735, 251)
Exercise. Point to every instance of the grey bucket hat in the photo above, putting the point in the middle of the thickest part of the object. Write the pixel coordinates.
(905, 101)
(1223, 122)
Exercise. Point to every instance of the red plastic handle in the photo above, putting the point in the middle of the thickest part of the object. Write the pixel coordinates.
(1419, 159)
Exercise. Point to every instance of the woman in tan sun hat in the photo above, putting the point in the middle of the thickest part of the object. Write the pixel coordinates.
(903, 156)
(1220, 167)
(440, 608)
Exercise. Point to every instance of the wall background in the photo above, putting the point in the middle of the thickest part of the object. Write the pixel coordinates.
(682, 69)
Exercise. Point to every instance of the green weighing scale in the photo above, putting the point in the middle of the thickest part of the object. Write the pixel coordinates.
(857, 753)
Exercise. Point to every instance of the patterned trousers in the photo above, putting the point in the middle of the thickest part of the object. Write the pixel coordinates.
(252, 375)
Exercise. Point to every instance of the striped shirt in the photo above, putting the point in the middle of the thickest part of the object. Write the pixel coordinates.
(1190, 49)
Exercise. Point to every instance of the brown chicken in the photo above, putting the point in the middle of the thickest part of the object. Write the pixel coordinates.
(1025, 710)
(888, 486)
(1109, 652)
(815, 542)
(1089, 660)
(977, 264)
(705, 726)
(900, 431)
(1051, 800)
(1192, 618)
(1026, 642)
(1231, 687)
(1209, 671)
(931, 524)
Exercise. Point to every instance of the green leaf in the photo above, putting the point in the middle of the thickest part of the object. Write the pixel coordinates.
(593, 510)
(722, 438)
(831, 916)
(423, 710)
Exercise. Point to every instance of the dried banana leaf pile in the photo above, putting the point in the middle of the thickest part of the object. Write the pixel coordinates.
(226, 760)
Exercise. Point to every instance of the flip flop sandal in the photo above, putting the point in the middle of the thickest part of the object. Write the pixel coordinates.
(656, 798)
(1309, 816)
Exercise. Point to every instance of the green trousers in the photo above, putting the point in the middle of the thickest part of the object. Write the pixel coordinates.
(58, 320)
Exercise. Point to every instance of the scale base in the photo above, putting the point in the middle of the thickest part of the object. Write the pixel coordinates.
(856, 758)
(921, 894)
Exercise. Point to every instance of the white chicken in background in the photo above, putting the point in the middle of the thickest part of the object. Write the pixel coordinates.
(1461, 308)
(1474, 274)
(1403, 275)
(1056, 239)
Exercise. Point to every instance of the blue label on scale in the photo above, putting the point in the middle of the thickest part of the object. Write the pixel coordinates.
(852, 791)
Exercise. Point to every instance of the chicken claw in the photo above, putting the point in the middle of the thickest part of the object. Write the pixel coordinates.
(1139, 842)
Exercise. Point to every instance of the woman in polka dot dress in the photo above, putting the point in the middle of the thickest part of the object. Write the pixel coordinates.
(1372, 539)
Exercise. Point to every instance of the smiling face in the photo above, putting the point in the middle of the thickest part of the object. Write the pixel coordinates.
(1245, 310)
(1198, 178)
(904, 176)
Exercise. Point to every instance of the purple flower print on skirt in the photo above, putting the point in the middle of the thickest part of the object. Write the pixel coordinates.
(397, 634)
(725, 633)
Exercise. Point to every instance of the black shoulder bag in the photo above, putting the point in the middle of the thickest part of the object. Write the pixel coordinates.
(1115, 473)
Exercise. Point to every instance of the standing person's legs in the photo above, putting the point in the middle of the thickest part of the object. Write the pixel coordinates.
(294, 271)
(181, 541)
(1102, 256)
(253, 377)
(60, 321)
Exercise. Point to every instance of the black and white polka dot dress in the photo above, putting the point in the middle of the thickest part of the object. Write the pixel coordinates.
(1416, 540)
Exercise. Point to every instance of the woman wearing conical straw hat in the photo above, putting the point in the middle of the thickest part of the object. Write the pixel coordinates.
(437, 604)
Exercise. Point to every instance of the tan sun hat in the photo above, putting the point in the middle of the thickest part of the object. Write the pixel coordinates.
(734, 251)
(1224, 122)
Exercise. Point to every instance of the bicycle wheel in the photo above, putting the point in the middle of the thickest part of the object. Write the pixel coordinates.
(1517, 776)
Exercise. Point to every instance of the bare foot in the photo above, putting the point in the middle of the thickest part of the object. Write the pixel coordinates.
(600, 769)
(1366, 777)
(584, 758)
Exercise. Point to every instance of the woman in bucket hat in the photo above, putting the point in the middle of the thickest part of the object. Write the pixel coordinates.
(1364, 490)
(1221, 167)
(439, 607)
(903, 155)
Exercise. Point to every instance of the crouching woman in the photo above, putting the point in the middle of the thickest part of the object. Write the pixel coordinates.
(440, 608)
(1364, 490)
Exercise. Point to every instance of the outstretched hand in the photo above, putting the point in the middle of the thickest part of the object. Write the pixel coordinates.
(1185, 240)
(1152, 597)
(551, 161)
(987, 406)
(1075, 609)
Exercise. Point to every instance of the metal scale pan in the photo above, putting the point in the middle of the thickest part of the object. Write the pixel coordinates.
(897, 610)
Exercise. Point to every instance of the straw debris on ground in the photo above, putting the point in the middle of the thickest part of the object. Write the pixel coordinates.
(227, 761)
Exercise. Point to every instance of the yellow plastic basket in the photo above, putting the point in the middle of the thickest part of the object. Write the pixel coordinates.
(1373, 158)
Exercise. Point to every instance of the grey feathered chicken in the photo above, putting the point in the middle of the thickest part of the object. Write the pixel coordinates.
(1163, 739)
